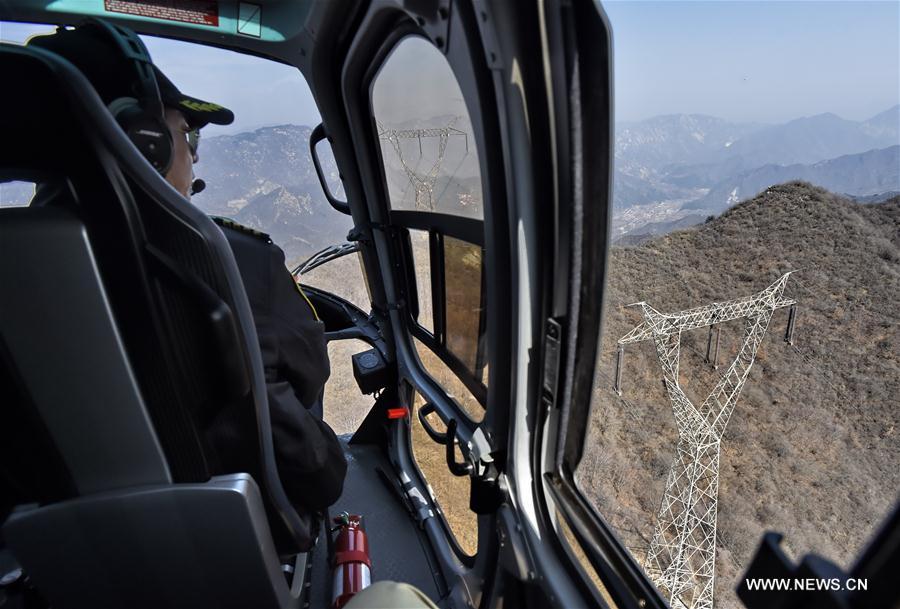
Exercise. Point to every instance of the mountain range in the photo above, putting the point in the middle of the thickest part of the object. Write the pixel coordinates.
(265, 179)
(864, 174)
(691, 144)
(671, 171)
(670, 167)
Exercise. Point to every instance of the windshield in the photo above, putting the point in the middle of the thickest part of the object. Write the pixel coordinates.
(257, 170)
(748, 367)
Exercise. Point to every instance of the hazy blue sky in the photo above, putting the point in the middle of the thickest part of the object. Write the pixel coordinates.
(742, 61)
(755, 61)
(260, 92)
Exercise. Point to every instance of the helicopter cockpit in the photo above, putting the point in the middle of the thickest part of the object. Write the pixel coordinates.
(465, 152)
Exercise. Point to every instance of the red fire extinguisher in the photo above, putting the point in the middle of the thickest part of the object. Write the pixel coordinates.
(352, 565)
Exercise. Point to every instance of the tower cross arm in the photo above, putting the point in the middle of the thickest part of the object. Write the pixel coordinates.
(642, 332)
(656, 323)
(415, 133)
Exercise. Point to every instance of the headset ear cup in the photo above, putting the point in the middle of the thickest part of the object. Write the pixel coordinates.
(149, 134)
(119, 106)
(167, 153)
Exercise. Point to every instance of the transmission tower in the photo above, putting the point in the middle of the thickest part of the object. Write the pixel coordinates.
(423, 184)
(682, 556)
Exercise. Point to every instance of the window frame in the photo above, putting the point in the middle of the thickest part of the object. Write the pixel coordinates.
(438, 226)
(468, 560)
(388, 28)
(382, 28)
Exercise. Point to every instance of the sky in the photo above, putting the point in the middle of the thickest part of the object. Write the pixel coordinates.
(259, 92)
(762, 61)
(755, 61)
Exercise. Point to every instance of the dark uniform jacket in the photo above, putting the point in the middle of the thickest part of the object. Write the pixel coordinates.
(309, 456)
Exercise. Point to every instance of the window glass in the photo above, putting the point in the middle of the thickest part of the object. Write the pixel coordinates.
(258, 170)
(449, 382)
(344, 277)
(427, 143)
(344, 406)
(16, 194)
(463, 275)
(329, 165)
(421, 252)
(708, 218)
(450, 492)
(19, 194)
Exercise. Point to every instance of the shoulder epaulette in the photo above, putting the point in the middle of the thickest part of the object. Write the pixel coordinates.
(229, 223)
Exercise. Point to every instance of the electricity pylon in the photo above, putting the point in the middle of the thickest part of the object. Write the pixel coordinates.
(423, 184)
(682, 556)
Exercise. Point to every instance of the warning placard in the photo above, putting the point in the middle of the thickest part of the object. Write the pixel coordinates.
(201, 12)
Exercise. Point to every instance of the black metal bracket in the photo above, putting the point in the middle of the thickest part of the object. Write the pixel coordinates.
(552, 352)
(463, 468)
(515, 556)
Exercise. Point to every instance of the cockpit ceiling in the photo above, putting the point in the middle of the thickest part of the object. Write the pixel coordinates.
(278, 29)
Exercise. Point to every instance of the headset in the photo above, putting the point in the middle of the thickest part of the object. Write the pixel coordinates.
(142, 118)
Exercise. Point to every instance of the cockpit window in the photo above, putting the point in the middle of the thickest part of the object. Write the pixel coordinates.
(19, 193)
(434, 193)
(434, 189)
(16, 194)
(747, 371)
(427, 146)
(258, 170)
(464, 305)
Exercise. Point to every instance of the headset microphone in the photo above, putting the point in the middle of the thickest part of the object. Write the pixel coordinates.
(197, 186)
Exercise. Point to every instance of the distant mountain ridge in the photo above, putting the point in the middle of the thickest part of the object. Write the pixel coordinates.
(810, 140)
(869, 173)
(238, 167)
(266, 180)
(693, 139)
(676, 138)
(705, 163)
(667, 167)
(884, 124)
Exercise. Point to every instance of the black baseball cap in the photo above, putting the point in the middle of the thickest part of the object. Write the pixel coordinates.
(196, 111)
(113, 74)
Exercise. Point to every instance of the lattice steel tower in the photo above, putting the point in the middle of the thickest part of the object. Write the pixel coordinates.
(682, 556)
(423, 184)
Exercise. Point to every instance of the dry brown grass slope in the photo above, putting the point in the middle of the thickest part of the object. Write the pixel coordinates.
(813, 447)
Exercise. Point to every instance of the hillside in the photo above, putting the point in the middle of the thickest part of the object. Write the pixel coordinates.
(812, 448)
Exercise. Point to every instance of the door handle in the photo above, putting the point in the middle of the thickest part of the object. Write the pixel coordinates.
(463, 468)
(424, 411)
(447, 438)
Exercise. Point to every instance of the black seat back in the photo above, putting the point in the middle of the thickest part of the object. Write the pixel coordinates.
(165, 350)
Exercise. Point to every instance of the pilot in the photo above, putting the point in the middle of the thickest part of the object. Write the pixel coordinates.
(309, 456)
